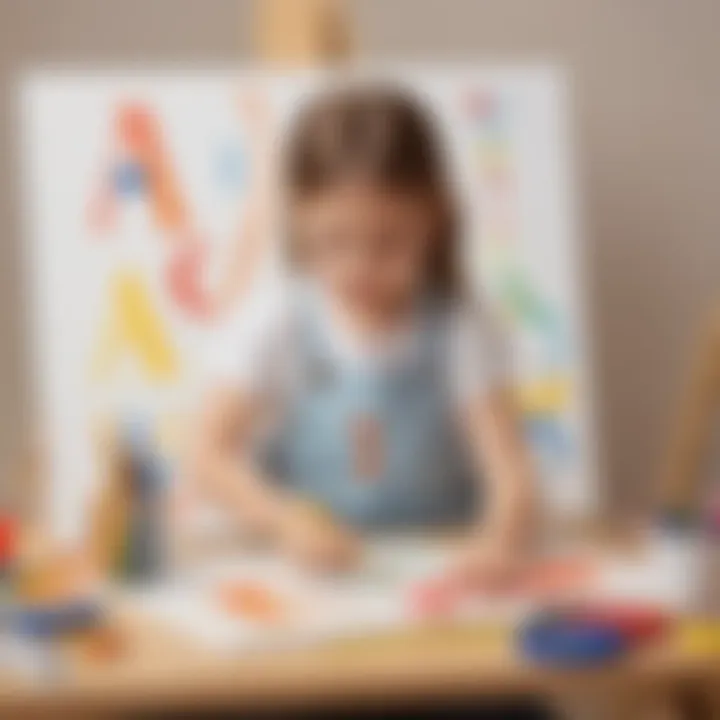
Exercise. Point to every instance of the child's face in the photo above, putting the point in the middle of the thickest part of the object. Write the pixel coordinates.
(366, 245)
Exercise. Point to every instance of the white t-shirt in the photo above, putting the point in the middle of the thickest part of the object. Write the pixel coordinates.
(253, 350)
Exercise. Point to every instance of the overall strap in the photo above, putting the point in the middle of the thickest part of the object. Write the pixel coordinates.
(435, 334)
(310, 342)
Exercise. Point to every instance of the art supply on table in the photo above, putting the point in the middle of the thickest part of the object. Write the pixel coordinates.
(666, 571)
(692, 536)
(639, 624)
(682, 560)
(54, 576)
(54, 595)
(54, 619)
(38, 640)
(700, 634)
(707, 591)
(129, 538)
(564, 641)
(699, 637)
(110, 512)
(252, 601)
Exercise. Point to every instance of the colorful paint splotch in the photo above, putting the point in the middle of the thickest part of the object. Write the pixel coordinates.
(134, 328)
(253, 602)
(547, 393)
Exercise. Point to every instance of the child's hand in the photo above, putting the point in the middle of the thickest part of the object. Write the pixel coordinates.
(487, 563)
(313, 538)
(482, 566)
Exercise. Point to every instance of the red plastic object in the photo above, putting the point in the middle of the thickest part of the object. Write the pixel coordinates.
(638, 623)
(8, 539)
(184, 280)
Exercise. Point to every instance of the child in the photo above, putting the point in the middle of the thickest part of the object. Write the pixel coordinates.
(371, 396)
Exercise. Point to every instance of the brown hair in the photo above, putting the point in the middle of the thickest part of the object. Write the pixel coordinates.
(383, 134)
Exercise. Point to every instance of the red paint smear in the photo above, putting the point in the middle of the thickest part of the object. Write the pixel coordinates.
(184, 280)
(140, 134)
(102, 212)
(8, 539)
(441, 596)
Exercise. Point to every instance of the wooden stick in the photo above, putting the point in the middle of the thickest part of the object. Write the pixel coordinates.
(303, 32)
(689, 449)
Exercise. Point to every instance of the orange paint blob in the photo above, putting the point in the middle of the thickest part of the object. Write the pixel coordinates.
(558, 576)
(252, 601)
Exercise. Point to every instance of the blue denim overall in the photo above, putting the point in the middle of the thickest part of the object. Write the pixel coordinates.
(420, 472)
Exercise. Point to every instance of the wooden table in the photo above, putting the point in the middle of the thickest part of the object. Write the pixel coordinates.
(162, 670)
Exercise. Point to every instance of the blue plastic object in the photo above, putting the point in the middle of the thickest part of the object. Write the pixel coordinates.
(43, 621)
(570, 642)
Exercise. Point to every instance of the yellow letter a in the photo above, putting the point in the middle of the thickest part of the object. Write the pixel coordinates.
(134, 326)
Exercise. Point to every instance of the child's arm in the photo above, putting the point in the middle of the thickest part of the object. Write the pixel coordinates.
(502, 537)
(220, 460)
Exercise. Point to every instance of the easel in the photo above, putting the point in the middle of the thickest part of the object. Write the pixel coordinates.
(690, 446)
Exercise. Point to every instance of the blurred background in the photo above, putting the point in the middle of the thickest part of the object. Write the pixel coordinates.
(646, 104)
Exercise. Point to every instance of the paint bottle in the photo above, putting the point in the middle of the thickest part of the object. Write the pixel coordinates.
(674, 558)
(143, 557)
(700, 631)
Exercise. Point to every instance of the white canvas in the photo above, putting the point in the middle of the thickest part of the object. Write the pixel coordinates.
(507, 131)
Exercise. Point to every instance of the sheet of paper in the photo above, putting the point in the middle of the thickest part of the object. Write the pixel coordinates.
(252, 602)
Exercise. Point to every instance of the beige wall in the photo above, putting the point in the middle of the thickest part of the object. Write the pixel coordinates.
(647, 103)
